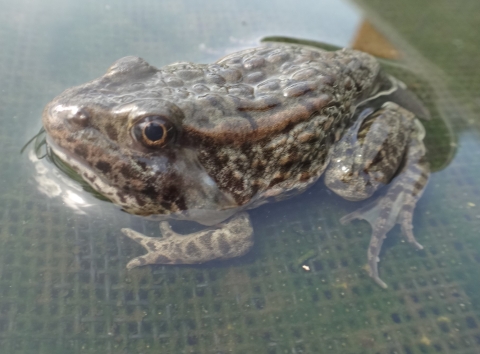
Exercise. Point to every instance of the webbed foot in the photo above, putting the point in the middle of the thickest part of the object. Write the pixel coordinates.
(230, 239)
(395, 207)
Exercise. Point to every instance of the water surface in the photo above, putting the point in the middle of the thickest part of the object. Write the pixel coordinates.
(63, 283)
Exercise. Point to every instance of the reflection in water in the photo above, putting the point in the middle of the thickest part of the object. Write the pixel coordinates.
(55, 184)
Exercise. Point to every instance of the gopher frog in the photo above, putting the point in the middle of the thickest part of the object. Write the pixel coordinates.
(205, 142)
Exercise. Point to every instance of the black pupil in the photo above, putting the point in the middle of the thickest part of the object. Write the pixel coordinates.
(154, 132)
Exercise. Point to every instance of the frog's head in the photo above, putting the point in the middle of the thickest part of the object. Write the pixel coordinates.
(125, 139)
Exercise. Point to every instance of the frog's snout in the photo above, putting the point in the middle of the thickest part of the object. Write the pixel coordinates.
(74, 117)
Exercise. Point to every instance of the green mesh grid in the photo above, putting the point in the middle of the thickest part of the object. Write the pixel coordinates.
(63, 283)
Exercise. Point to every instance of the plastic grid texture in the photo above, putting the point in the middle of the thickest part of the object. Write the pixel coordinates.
(63, 283)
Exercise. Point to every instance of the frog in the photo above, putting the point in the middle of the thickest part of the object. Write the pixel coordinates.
(208, 142)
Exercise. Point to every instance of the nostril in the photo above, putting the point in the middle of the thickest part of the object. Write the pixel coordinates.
(80, 117)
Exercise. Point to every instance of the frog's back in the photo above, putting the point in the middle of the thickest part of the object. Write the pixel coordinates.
(247, 95)
(255, 93)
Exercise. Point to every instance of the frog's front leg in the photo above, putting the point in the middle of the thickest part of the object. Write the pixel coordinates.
(230, 239)
(382, 148)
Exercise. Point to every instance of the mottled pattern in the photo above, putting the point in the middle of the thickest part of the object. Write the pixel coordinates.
(258, 125)
(297, 155)
(370, 154)
(228, 240)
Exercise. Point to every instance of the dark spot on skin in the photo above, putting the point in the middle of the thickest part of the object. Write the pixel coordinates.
(111, 132)
(103, 166)
(161, 259)
(121, 197)
(192, 250)
(328, 80)
(348, 85)
(151, 191)
(276, 181)
(288, 165)
(81, 150)
(288, 127)
(140, 201)
(166, 205)
(90, 178)
(142, 165)
(255, 188)
(305, 165)
(173, 195)
(206, 240)
(223, 244)
(234, 185)
(305, 176)
(418, 186)
(180, 204)
(126, 172)
(151, 246)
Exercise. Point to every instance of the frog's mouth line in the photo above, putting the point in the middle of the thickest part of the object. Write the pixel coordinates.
(45, 148)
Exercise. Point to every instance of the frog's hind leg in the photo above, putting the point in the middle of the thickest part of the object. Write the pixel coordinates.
(397, 205)
(230, 239)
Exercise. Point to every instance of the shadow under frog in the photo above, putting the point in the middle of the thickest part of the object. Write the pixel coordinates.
(206, 142)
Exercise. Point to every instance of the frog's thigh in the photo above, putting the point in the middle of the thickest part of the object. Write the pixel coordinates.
(403, 192)
(231, 239)
(370, 153)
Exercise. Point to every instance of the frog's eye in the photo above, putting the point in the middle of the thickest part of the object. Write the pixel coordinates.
(154, 131)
